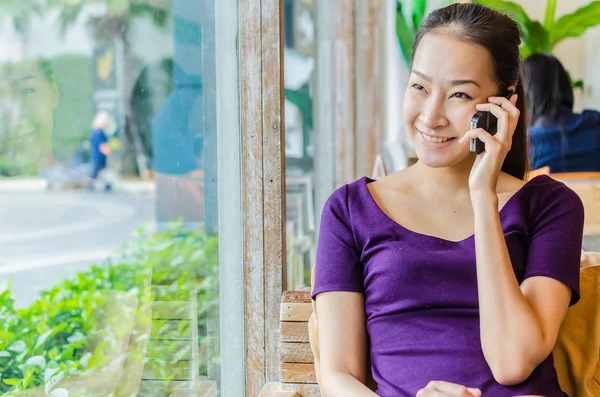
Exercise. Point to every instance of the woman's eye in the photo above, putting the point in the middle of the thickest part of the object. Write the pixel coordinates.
(27, 91)
(461, 95)
(419, 87)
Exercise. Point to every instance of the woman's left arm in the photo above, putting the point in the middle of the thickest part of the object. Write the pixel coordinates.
(519, 323)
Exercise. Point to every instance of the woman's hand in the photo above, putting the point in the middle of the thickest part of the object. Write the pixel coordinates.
(485, 171)
(447, 389)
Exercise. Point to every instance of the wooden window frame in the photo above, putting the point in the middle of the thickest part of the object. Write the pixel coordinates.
(342, 77)
(263, 156)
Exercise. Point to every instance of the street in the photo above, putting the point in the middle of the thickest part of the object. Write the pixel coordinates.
(47, 236)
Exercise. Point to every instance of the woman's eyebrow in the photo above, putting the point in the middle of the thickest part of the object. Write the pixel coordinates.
(23, 79)
(452, 82)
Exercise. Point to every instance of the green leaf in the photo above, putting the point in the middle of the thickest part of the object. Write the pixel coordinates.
(578, 85)
(406, 36)
(97, 360)
(419, 8)
(539, 40)
(42, 339)
(76, 337)
(304, 102)
(5, 354)
(18, 347)
(576, 23)
(28, 377)
(550, 12)
(38, 362)
(12, 381)
(54, 354)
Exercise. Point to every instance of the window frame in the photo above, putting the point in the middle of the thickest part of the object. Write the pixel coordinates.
(263, 157)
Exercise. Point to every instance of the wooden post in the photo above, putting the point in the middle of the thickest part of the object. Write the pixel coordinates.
(344, 89)
(273, 177)
(264, 185)
(368, 85)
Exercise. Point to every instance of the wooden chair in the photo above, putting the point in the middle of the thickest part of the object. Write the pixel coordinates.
(587, 186)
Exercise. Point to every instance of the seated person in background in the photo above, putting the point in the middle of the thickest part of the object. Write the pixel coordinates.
(560, 139)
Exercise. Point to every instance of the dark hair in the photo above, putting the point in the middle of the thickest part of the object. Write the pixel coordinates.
(46, 67)
(499, 35)
(548, 87)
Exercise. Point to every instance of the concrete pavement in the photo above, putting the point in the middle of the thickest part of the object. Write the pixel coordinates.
(46, 236)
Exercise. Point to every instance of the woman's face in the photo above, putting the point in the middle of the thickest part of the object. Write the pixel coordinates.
(448, 78)
(28, 101)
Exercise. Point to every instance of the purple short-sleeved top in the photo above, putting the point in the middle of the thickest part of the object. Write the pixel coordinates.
(420, 291)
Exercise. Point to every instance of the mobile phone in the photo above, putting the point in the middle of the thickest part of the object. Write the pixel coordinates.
(488, 122)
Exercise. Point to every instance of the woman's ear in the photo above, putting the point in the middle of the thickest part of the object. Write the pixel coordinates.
(512, 89)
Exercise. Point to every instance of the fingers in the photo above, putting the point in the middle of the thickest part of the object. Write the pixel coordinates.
(447, 389)
(508, 105)
(492, 144)
(474, 392)
(480, 133)
(505, 111)
(451, 389)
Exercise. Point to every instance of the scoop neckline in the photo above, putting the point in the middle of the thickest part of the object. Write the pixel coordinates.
(512, 198)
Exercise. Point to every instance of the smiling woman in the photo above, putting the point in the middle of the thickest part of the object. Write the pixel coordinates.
(455, 274)
(29, 96)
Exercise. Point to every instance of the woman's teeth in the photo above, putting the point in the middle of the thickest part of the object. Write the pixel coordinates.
(434, 139)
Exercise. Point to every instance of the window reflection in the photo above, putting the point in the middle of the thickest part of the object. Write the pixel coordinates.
(299, 148)
(108, 232)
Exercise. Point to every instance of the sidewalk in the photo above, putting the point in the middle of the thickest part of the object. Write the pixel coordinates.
(32, 184)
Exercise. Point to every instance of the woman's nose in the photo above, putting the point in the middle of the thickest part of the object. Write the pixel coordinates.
(433, 114)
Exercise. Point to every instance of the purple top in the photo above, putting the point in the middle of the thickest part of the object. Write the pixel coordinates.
(420, 291)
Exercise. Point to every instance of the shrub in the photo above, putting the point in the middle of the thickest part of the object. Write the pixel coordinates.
(83, 323)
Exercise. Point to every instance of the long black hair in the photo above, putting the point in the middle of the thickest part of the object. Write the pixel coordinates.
(499, 35)
(548, 87)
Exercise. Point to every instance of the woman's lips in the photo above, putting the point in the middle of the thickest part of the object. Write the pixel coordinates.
(435, 142)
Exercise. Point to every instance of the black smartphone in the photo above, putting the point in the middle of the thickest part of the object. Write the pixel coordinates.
(488, 122)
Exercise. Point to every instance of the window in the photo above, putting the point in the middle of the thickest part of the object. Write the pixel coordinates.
(121, 208)
(333, 115)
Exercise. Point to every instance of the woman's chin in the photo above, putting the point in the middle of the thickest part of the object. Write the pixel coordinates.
(440, 162)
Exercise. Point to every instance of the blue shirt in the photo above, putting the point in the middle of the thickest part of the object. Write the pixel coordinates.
(569, 144)
(97, 138)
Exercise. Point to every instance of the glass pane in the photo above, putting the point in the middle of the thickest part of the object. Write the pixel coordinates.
(113, 206)
(299, 53)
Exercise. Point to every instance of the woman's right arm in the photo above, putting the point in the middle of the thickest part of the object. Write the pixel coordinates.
(342, 344)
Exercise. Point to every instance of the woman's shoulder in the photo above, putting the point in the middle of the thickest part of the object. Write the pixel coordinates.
(348, 191)
(344, 200)
(544, 195)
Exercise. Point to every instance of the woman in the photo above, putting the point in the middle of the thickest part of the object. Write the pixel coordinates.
(562, 140)
(454, 270)
(99, 147)
(28, 98)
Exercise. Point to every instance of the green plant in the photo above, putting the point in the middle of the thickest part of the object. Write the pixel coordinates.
(544, 36)
(304, 102)
(407, 29)
(97, 320)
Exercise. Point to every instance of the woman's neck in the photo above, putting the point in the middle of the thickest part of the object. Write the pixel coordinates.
(452, 180)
